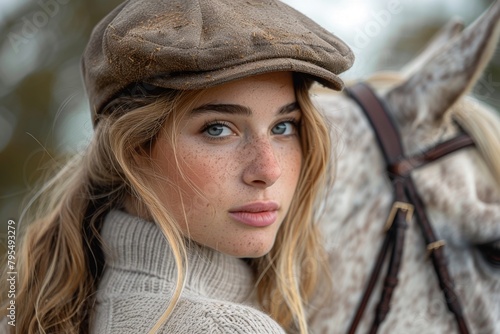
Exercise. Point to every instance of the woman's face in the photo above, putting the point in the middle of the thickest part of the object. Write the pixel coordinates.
(240, 148)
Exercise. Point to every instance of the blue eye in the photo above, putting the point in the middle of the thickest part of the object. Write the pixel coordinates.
(284, 128)
(217, 130)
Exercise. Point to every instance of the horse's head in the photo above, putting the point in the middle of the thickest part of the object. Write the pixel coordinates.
(461, 192)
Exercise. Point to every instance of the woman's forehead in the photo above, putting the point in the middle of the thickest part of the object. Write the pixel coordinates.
(248, 88)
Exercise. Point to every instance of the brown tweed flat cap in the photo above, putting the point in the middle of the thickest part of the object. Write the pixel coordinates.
(193, 44)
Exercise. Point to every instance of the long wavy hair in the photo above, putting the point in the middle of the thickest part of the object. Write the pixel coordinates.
(61, 254)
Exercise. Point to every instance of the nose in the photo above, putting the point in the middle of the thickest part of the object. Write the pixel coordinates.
(263, 168)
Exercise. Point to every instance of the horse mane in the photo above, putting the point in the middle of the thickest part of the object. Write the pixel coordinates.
(480, 121)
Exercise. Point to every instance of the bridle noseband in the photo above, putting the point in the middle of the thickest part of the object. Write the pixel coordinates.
(406, 203)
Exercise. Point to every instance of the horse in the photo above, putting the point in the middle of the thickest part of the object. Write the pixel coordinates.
(429, 102)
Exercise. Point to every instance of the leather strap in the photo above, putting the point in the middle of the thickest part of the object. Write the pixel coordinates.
(406, 199)
(439, 260)
(371, 285)
(381, 122)
(397, 235)
(404, 166)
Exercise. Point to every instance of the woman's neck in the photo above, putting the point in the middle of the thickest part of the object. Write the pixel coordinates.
(136, 245)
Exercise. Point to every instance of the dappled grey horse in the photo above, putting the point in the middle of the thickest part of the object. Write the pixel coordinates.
(429, 104)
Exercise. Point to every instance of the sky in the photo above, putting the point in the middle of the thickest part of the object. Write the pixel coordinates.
(368, 26)
(6, 6)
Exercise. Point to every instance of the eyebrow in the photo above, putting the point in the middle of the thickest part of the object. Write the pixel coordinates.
(239, 109)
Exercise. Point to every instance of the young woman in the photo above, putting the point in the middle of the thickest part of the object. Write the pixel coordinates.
(192, 209)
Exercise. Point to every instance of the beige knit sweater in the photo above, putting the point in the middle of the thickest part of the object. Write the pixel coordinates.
(139, 279)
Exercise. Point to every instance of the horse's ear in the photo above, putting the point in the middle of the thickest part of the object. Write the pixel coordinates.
(451, 73)
(439, 41)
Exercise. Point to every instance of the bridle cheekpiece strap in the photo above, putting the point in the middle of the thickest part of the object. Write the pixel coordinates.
(406, 202)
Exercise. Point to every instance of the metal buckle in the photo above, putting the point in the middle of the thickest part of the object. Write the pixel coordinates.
(433, 246)
(403, 206)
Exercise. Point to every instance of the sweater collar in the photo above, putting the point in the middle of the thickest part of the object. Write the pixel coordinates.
(133, 244)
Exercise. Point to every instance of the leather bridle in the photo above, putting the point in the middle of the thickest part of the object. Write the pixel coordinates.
(406, 202)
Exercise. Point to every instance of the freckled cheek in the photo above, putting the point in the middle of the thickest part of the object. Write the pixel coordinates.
(207, 170)
(198, 168)
(291, 161)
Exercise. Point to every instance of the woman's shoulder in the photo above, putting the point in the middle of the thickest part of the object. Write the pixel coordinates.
(193, 314)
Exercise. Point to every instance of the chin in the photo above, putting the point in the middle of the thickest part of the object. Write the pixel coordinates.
(243, 245)
(247, 250)
(255, 254)
(256, 251)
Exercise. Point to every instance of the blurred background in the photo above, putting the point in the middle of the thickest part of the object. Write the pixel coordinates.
(43, 109)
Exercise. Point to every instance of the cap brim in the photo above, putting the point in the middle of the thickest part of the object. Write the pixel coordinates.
(201, 80)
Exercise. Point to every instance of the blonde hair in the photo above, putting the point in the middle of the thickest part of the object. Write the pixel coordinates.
(482, 124)
(61, 255)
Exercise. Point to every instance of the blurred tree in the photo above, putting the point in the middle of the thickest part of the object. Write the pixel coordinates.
(40, 47)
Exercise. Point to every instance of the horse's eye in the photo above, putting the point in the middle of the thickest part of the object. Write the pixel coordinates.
(491, 253)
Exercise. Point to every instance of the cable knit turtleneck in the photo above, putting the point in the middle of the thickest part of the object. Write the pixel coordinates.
(140, 277)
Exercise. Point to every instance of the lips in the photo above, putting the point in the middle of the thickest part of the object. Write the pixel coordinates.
(258, 214)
